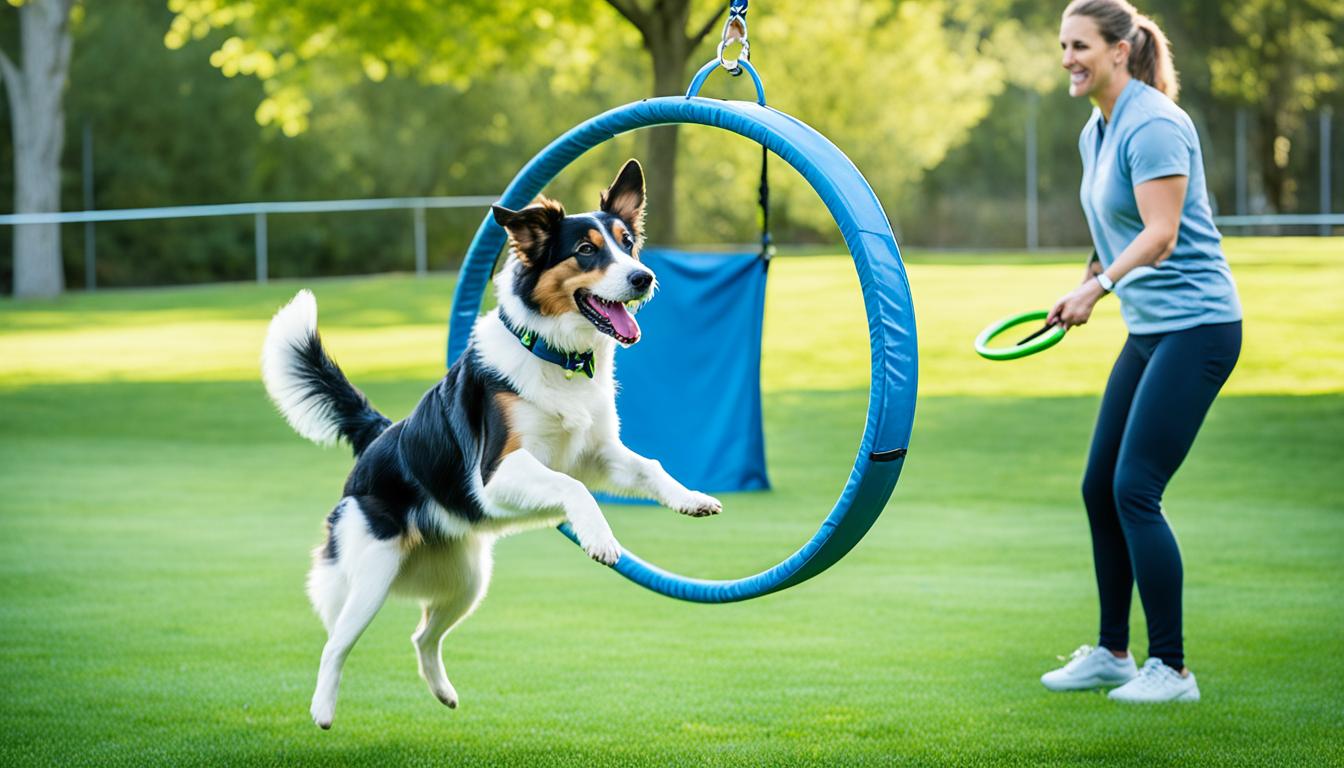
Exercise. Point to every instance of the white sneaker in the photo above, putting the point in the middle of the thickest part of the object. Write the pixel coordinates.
(1089, 668)
(1157, 682)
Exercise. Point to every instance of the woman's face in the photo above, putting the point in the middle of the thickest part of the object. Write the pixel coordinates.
(1090, 60)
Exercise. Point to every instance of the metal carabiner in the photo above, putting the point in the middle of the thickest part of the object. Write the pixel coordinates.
(734, 31)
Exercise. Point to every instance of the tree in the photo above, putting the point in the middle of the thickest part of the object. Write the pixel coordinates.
(662, 25)
(35, 88)
(458, 44)
(926, 68)
(1283, 60)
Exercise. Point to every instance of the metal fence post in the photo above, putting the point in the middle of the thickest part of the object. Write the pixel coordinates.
(1325, 167)
(421, 247)
(1033, 215)
(90, 247)
(1242, 191)
(261, 247)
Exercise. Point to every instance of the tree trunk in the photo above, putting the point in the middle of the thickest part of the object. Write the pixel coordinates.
(36, 95)
(670, 44)
(669, 73)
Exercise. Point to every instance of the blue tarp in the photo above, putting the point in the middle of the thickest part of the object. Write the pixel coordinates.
(690, 390)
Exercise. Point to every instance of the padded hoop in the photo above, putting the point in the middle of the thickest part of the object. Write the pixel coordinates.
(886, 296)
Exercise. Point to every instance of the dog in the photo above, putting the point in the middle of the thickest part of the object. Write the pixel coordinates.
(511, 438)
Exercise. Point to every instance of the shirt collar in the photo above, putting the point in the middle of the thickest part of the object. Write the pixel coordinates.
(1131, 88)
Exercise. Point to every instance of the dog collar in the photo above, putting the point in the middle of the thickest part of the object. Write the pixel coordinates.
(534, 343)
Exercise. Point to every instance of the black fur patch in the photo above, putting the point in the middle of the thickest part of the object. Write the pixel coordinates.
(625, 197)
(330, 550)
(455, 434)
(359, 423)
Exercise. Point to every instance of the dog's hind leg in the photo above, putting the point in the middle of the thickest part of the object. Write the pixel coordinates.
(327, 585)
(371, 577)
(466, 575)
(327, 589)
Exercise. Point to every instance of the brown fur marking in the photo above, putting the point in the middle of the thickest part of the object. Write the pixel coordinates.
(411, 539)
(555, 290)
(505, 401)
(619, 230)
(595, 237)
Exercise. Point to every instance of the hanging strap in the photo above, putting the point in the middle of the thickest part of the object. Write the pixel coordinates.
(763, 199)
(735, 30)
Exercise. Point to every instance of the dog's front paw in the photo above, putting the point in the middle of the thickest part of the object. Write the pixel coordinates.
(698, 504)
(323, 712)
(605, 551)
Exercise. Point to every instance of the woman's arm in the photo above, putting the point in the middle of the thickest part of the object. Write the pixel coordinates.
(1160, 202)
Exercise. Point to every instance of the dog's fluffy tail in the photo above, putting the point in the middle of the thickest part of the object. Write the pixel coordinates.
(307, 386)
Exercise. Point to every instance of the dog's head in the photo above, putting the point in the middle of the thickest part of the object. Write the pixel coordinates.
(576, 278)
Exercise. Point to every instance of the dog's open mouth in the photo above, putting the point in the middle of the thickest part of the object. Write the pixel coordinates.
(610, 317)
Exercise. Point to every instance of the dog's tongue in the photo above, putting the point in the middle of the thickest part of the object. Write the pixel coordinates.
(620, 318)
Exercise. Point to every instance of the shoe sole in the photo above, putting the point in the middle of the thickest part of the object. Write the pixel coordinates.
(1092, 684)
(1190, 696)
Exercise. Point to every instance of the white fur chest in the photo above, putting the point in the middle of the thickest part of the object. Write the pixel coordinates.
(561, 438)
(561, 420)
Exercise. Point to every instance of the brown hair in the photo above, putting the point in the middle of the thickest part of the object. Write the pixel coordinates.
(1149, 51)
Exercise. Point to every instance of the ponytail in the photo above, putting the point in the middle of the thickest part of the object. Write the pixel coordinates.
(1149, 51)
(1150, 57)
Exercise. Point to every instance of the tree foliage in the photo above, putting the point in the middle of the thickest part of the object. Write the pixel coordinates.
(1282, 60)
(928, 98)
(895, 86)
(917, 75)
(296, 47)
(169, 130)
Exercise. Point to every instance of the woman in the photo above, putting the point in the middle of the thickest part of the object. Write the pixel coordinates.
(1157, 249)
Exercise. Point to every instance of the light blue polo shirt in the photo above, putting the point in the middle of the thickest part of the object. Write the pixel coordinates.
(1147, 138)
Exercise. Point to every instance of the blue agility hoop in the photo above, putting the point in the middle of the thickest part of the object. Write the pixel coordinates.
(886, 298)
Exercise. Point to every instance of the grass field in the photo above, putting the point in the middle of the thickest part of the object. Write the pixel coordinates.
(156, 517)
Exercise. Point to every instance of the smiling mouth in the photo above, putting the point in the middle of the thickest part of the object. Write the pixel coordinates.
(610, 317)
(1077, 77)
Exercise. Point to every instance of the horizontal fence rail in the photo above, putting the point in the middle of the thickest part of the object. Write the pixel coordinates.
(244, 209)
(1281, 220)
(418, 206)
(259, 211)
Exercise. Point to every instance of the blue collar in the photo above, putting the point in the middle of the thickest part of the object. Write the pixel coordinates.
(534, 343)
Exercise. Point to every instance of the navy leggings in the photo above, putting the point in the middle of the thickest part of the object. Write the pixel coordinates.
(1158, 393)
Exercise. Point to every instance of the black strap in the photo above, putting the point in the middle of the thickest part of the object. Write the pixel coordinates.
(763, 199)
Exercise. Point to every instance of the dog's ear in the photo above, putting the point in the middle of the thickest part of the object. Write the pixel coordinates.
(625, 197)
(531, 228)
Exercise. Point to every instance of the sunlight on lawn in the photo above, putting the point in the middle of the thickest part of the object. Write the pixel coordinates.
(815, 336)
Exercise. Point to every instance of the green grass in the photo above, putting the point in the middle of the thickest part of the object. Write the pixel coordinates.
(155, 518)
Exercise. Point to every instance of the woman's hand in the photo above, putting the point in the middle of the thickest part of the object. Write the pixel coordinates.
(1076, 307)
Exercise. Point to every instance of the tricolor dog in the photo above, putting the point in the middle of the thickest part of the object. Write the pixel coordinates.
(511, 438)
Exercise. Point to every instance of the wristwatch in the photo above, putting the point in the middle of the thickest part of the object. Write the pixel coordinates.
(1107, 284)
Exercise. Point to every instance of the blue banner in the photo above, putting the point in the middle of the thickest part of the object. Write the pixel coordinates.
(690, 390)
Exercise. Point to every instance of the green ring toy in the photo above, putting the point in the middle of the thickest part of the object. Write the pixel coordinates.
(1028, 346)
